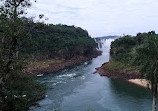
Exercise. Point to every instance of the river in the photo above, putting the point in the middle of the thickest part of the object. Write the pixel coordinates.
(78, 89)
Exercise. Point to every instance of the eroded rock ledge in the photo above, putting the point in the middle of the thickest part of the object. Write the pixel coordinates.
(115, 74)
(60, 66)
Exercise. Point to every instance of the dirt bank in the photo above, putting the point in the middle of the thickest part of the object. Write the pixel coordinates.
(115, 74)
(130, 76)
(139, 82)
(47, 66)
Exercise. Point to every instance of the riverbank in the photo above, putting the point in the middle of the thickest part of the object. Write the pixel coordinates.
(53, 65)
(104, 70)
(131, 76)
(139, 82)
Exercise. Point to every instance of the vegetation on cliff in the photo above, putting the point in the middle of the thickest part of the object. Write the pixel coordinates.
(56, 41)
(48, 42)
(147, 59)
(139, 53)
(20, 38)
(123, 52)
(57, 44)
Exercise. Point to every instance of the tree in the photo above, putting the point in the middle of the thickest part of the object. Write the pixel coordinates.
(147, 58)
(15, 87)
(57, 41)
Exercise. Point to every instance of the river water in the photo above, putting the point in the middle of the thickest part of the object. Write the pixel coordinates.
(78, 89)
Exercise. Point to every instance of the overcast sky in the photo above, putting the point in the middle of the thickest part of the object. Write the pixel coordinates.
(101, 17)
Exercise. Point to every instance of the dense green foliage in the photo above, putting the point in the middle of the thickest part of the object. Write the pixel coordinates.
(147, 57)
(142, 53)
(17, 90)
(21, 37)
(121, 48)
(22, 92)
(124, 49)
(60, 41)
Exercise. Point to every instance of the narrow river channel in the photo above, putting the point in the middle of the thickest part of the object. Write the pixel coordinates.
(78, 89)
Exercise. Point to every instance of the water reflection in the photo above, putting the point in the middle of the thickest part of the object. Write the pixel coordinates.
(128, 89)
(130, 95)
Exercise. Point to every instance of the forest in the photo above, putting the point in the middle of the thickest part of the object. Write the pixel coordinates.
(40, 41)
(56, 41)
(138, 54)
(123, 50)
(21, 39)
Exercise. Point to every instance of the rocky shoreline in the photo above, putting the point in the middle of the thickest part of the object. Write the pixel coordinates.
(60, 66)
(117, 74)
(130, 76)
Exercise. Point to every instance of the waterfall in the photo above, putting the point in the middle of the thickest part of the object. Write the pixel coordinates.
(104, 44)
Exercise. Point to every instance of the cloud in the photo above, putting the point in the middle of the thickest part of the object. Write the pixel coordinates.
(101, 17)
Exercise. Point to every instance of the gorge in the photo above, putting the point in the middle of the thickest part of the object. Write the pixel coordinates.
(78, 89)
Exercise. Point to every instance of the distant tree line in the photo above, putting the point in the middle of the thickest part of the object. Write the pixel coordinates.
(56, 41)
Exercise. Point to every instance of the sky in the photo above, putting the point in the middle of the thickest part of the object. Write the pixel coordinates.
(101, 17)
